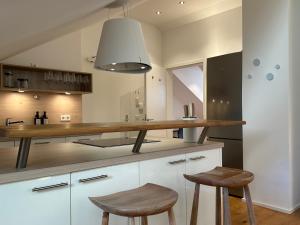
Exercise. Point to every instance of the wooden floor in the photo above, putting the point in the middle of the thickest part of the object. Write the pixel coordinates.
(264, 216)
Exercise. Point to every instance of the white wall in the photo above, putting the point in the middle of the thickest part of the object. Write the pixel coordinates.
(216, 35)
(61, 53)
(183, 96)
(295, 93)
(267, 150)
(192, 78)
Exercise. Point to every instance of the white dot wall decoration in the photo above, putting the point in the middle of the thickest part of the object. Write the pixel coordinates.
(256, 62)
(270, 76)
(277, 67)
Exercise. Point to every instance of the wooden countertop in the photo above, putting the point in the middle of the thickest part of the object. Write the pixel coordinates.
(57, 159)
(24, 131)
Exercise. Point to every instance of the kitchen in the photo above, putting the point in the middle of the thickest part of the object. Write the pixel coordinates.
(175, 35)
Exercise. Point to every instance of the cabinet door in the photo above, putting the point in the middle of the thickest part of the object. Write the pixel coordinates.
(100, 182)
(196, 163)
(43, 201)
(167, 172)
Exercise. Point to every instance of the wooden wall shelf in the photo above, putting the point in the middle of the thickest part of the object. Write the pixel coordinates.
(36, 79)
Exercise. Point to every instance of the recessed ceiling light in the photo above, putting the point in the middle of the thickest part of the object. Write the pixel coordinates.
(181, 2)
(112, 69)
(158, 12)
(143, 67)
(67, 93)
(21, 91)
(114, 64)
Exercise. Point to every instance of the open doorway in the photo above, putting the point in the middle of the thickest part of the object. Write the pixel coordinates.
(188, 88)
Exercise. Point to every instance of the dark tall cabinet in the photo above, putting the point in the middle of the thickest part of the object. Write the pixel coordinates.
(224, 102)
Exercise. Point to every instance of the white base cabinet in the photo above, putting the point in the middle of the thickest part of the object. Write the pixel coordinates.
(196, 163)
(35, 202)
(100, 182)
(52, 200)
(167, 172)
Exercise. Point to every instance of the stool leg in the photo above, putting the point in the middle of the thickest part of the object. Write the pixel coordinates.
(250, 208)
(218, 206)
(226, 208)
(144, 220)
(105, 218)
(194, 215)
(132, 221)
(171, 217)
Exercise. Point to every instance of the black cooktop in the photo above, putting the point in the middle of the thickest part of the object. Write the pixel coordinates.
(113, 142)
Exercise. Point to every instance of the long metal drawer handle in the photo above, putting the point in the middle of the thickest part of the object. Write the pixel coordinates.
(177, 162)
(197, 158)
(39, 189)
(93, 178)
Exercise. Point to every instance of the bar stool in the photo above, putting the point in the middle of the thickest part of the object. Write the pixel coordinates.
(150, 199)
(222, 177)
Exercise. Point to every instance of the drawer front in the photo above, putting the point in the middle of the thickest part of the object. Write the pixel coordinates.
(42, 201)
(203, 160)
(100, 182)
(167, 172)
(196, 163)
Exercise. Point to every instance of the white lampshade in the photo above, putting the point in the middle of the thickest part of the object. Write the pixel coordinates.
(122, 48)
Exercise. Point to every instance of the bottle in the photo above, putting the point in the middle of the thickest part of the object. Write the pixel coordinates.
(37, 119)
(44, 118)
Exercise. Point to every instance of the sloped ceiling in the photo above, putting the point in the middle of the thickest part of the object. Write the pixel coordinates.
(27, 23)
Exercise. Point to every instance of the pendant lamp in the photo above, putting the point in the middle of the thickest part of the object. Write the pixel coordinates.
(122, 48)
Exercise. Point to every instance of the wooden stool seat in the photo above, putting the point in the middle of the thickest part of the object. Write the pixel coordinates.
(147, 200)
(222, 177)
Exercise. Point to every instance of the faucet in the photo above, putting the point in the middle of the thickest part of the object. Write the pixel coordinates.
(9, 121)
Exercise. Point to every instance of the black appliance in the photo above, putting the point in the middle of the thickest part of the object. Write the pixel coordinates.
(224, 102)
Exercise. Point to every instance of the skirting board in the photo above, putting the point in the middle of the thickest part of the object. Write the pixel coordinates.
(275, 208)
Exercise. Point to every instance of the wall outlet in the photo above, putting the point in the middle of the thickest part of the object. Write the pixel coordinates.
(65, 118)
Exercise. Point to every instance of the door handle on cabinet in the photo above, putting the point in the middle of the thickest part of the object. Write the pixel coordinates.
(85, 180)
(177, 162)
(197, 158)
(45, 188)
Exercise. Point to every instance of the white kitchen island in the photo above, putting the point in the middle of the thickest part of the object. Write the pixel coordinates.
(55, 187)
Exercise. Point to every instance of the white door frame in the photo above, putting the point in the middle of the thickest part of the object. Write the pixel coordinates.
(169, 68)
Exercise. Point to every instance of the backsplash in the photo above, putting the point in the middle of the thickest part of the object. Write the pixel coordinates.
(22, 106)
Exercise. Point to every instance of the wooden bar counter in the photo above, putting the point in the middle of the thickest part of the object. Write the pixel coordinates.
(27, 132)
(24, 131)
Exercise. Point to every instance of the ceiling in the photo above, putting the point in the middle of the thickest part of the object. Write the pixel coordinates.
(26, 24)
(174, 14)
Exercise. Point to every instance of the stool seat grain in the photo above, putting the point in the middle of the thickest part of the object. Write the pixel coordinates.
(222, 177)
(150, 199)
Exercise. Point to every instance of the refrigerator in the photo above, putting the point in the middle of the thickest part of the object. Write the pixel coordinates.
(224, 102)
